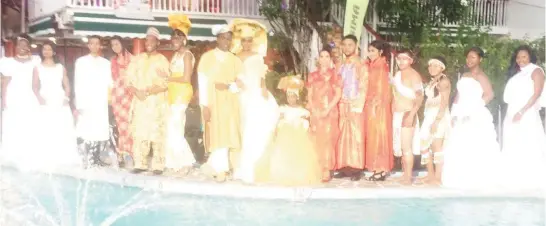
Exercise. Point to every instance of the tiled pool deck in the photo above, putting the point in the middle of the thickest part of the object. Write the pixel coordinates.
(197, 183)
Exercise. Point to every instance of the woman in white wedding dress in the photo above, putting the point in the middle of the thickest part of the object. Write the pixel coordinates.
(19, 107)
(55, 122)
(524, 140)
(471, 153)
(259, 107)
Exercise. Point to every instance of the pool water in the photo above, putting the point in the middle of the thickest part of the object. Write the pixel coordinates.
(38, 199)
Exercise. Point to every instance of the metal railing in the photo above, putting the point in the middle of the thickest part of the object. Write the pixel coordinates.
(479, 12)
(246, 8)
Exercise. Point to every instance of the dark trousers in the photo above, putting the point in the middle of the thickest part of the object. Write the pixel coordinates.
(90, 151)
(194, 133)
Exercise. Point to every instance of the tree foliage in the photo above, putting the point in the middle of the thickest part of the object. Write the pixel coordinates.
(412, 16)
(293, 23)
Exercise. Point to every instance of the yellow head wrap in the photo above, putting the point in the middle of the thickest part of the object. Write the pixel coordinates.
(291, 84)
(245, 28)
(180, 22)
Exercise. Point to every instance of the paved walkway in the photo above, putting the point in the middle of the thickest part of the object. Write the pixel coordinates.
(196, 183)
(197, 176)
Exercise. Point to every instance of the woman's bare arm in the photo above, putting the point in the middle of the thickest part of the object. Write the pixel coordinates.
(538, 85)
(66, 84)
(444, 88)
(5, 81)
(36, 83)
(488, 93)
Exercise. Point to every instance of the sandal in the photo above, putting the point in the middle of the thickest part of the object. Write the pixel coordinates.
(381, 176)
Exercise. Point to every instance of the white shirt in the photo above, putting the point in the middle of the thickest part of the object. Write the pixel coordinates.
(19, 91)
(92, 82)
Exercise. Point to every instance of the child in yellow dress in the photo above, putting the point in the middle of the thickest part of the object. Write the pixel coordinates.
(291, 159)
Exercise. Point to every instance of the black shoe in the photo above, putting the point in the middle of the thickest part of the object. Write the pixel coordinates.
(137, 171)
(157, 172)
(340, 175)
(356, 177)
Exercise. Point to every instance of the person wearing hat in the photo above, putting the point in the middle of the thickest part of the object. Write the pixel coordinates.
(291, 159)
(147, 80)
(258, 106)
(178, 153)
(218, 74)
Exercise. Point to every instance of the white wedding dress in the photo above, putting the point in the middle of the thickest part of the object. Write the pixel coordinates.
(19, 144)
(471, 152)
(258, 116)
(55, 124)
(524, 142)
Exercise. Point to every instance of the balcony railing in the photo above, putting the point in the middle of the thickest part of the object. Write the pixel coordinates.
(480, 12)
(234, 8)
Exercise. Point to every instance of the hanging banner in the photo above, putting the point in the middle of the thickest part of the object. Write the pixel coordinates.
(355, 11)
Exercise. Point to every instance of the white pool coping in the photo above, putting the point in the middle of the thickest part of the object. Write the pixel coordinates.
(238, 190)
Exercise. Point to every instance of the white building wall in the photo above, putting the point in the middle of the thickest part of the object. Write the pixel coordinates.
(40, 8)
(526, 18)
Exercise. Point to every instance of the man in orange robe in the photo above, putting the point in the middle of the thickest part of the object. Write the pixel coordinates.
(350, 148)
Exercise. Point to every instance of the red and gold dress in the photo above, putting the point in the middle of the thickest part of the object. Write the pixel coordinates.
(378, 111)
(350, 147)
(324, 128)
(121, 102)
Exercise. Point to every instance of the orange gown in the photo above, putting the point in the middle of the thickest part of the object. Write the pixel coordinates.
(350, 148)
(378, 111)
(324, 129)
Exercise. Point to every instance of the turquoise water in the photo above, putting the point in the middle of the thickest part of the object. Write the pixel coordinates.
(67, 201)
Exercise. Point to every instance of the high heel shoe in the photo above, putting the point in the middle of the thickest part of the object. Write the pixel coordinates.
(381, 176)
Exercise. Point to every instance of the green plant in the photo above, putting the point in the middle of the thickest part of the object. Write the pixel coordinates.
(410, 17)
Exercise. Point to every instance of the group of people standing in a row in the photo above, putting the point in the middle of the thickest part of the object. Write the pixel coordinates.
(361, 118)
(357, 115)
(148, 95)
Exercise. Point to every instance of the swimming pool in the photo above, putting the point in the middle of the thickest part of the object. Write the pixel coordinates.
(38, 199)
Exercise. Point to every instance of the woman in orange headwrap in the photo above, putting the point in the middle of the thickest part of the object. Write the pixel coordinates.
(179, 156)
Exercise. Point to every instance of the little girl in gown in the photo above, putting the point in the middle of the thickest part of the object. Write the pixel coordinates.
(290, 159)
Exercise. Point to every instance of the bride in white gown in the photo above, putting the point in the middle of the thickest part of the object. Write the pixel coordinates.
(55, 122)
(471, 153)
(524, 140)
(259, 108)
(19, 107)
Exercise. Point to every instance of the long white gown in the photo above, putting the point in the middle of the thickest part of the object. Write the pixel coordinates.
(18, 119)
(259, 118)
(56, 123)
(524, 142)
(471, 153)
